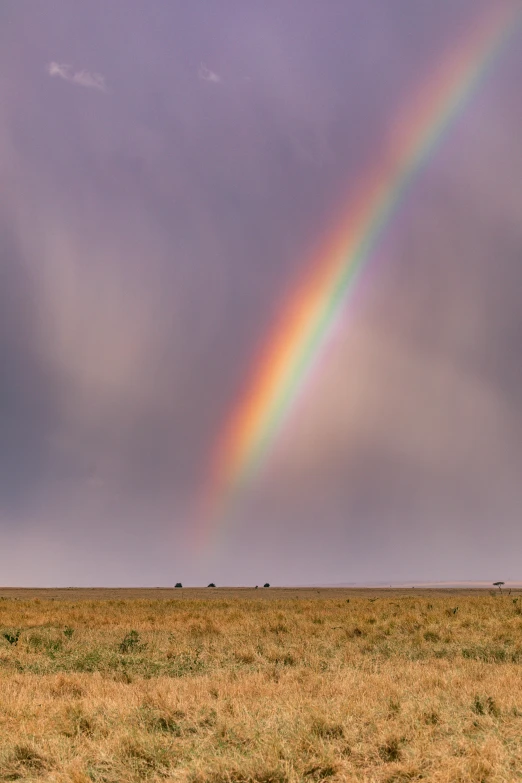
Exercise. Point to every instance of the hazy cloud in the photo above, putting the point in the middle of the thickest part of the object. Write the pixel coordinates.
(84, 78)
(208, 76)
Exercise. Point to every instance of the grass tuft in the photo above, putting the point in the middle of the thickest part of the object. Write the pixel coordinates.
(391, 749)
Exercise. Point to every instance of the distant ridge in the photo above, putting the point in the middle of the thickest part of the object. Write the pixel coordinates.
(478, 585)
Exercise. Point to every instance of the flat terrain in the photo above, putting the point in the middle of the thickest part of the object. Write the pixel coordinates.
(205, 594)
(268, 685)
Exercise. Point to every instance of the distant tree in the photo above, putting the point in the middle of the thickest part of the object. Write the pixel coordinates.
(211, 584)
(266, 584)
(499, 585)
(257, 587)
(178, 584)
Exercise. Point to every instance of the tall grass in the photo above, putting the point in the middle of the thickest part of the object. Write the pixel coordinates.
(240, 689)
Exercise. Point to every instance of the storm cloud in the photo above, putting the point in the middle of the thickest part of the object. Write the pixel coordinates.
(149, 236)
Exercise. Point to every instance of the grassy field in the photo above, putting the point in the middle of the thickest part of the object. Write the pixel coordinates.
(238, 686)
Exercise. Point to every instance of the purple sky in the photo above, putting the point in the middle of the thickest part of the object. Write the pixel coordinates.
(166, 170)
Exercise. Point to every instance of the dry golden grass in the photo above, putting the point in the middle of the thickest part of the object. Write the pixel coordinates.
(261, 686)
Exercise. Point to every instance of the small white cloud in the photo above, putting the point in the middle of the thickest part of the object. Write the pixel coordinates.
(207, 75)
(95, 81)
(57, 69)
(87, 79)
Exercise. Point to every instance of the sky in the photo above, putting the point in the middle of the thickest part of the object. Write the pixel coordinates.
(167, 170)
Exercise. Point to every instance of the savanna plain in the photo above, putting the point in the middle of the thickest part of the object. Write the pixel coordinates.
(260, 686)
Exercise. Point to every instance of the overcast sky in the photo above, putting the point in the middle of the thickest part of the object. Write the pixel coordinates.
(166, 169)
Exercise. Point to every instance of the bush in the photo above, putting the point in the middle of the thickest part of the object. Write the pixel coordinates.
(12, 638)
(266, 584)
(178, 584)
(211, 584)
(130, 642)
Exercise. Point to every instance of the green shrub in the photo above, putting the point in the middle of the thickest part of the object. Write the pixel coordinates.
(12, 638)
(130, 642)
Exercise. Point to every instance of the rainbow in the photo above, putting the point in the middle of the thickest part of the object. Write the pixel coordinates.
(310, 312)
